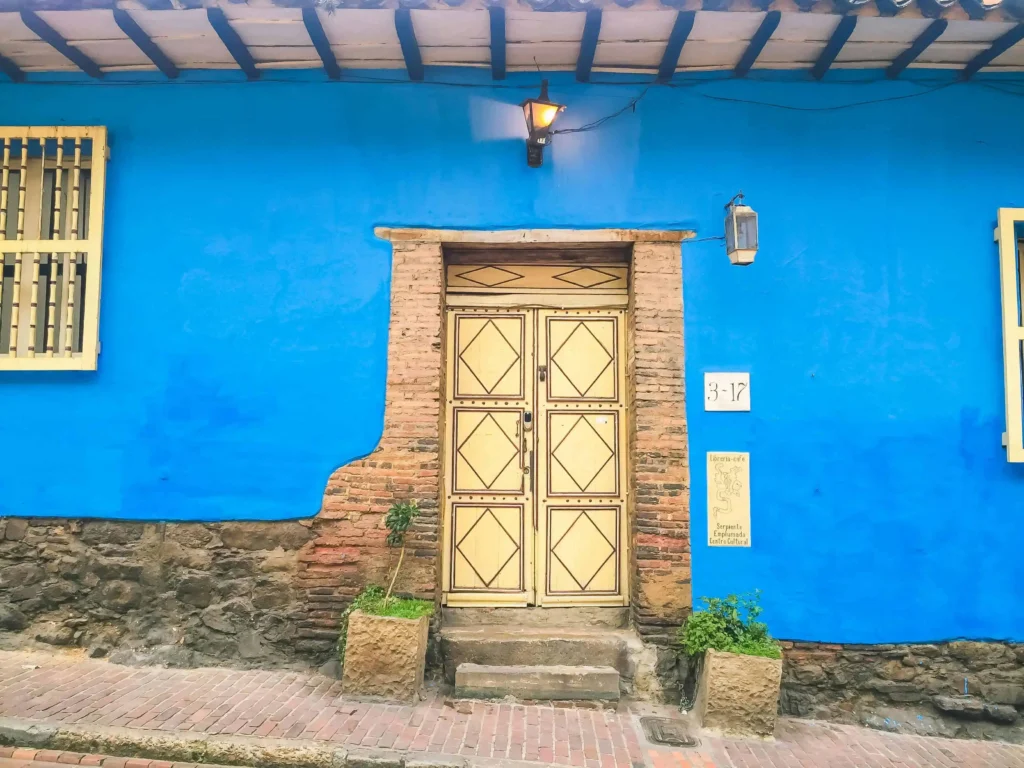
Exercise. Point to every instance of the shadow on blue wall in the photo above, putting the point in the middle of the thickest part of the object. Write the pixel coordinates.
(245, 309)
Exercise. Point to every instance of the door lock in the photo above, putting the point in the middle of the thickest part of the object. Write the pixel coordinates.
(542, 373)
(527, 421)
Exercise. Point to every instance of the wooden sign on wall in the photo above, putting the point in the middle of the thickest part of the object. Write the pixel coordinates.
(728, 499)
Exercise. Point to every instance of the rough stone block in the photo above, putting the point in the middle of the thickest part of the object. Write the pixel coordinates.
(11, 618)
(384, 656)
(738, 695)
(373, 758)
(434, 761)
(1001, 713)
(965, 707)
(997, 693)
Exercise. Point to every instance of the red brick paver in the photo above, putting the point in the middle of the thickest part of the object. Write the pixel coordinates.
(68, 690)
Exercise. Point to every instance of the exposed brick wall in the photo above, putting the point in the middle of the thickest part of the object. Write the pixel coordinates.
(349, 550)
(660, 471)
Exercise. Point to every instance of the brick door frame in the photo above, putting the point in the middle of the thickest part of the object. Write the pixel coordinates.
(349, 551)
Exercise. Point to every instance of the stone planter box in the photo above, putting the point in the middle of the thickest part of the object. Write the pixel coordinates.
(385, 656)
(738, 695)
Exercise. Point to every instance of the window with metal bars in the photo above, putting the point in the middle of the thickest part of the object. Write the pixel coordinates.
(51, 224)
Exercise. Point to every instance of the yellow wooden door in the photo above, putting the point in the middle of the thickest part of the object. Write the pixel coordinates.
(489, 531)
(581, 471)
(535, 483)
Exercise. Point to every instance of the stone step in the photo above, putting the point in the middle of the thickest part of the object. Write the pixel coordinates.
(534, 682)
(581, 617)
(534, 647)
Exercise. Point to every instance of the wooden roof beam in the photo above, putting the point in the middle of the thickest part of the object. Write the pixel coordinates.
(588, 45)
(144, 42)
(757, 43)
(12, 70)
(316, 33)
(676, 40)
(50, 35)
(410, 47)
(232, 42)
(1001, 45)
(926, 38)
(833, 46)
(498, 55)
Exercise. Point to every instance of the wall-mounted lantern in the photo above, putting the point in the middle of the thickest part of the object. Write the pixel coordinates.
(740, 231)
(540, 115)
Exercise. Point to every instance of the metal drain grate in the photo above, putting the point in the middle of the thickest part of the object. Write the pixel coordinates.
(667, 731)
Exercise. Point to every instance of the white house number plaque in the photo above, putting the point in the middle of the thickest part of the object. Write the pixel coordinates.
(726, 391)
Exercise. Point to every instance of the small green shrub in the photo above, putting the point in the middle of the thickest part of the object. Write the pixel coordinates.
(729, 624)
(372, 601)
(375, 600)
(397, 521)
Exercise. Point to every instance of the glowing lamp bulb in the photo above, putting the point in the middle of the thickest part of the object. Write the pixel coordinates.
(540, 114)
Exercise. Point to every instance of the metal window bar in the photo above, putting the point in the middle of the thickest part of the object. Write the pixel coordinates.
(51, 209)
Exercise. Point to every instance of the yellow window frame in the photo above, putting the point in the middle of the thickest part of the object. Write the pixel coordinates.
(30, 251)
(1009, 231)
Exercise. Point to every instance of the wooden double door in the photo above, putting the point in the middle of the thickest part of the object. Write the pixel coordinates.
(535, 457)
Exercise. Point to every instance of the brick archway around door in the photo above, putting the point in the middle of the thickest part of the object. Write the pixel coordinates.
(349, 551)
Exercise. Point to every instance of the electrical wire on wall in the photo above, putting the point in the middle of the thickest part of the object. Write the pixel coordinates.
(692, 86)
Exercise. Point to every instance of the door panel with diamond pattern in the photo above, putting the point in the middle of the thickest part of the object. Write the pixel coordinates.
(583, 556)
(584, 455)
(487, 548)
(489, 531)
(488, 450)
(582, 358)
(581, 473)
(489, 362)
(534, 468)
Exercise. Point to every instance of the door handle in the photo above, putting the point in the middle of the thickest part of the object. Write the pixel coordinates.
(542, 372)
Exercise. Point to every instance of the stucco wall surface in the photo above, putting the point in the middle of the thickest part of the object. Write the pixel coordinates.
(245, 309)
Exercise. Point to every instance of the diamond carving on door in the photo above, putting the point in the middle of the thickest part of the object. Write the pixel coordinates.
(582, 359)
(584, 459)
(487, 454)
(490, 356)
(582, 557)
(535, 486)
(488, 542)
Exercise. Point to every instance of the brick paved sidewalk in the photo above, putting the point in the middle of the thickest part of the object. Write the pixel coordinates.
(70, 690)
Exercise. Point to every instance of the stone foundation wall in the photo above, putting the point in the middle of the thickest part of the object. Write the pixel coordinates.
(177, 594)
(910, 688)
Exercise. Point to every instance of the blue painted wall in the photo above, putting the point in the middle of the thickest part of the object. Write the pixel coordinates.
(245, 306)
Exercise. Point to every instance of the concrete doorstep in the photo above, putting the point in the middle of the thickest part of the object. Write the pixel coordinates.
(212, 751)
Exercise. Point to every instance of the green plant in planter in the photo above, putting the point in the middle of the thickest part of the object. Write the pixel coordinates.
(729, 624)
(374, 600)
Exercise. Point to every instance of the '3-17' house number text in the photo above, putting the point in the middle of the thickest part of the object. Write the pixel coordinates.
(726, 391)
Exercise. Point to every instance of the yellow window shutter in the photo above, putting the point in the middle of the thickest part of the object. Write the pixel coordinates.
(52, 181)
(1010, 236)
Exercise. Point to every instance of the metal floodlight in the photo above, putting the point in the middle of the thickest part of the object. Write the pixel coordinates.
(740, 231)
(540, 114)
